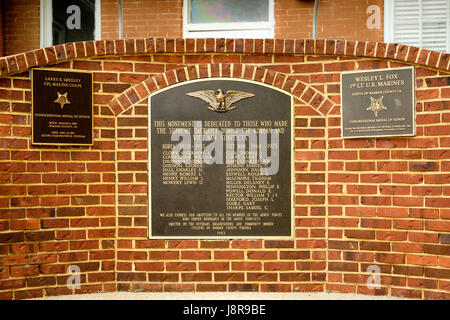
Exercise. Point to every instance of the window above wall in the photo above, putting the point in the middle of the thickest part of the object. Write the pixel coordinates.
(421, 23)
(228, 19)
(69, 21)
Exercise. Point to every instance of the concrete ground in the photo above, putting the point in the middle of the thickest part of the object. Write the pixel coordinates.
(219, 296)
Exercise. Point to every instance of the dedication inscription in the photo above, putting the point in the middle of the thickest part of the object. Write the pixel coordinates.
(220, 161)
(378, 103)
(62, 107)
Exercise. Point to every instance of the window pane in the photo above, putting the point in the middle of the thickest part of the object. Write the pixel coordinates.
(435, 24)
(434, 35)
(210, 11)
(435, 9)
(73, 21)
(407, 32)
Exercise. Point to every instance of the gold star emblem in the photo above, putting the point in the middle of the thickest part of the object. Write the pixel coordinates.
(376, 105)
(62, 100)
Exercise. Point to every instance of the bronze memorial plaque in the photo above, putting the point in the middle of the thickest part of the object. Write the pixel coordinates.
(378, 103)
(220, 161)
(62, 107)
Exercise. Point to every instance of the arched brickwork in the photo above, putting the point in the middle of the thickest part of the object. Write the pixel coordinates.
(54, 54)
(300, 90)
(192, 265)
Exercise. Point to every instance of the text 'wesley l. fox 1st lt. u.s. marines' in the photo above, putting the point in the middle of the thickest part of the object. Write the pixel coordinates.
(378, 103)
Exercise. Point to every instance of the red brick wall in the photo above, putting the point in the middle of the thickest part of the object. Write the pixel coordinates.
(21, 25)
(110, 19)
(336, 20)
(347, 20)
(163, 18)
(359, 202)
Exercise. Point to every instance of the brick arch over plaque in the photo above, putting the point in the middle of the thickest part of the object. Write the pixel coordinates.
(300, 90)
(221, 264)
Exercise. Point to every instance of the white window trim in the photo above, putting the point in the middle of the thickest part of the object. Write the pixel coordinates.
(98, 20)
(388, 13)
(389, 19)
(228, 30)
(47, 19)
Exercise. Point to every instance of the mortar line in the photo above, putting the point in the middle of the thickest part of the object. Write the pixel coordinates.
(116, 185)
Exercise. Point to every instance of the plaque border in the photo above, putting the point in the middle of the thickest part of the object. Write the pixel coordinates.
(413, 104)
(32, 110)
(150, 236)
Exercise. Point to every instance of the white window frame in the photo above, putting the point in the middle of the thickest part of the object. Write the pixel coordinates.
(229, 29)
(389, 22)
(47, 21)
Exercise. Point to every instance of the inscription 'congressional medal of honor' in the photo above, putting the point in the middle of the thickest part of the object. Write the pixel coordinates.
(62, 107)
(220, 161)
(378, 103)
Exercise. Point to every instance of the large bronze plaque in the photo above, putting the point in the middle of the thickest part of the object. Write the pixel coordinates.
(378, 103)
(62, 107)
(208, 175)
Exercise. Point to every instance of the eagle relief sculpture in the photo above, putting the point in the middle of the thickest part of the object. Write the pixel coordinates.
(220, 102)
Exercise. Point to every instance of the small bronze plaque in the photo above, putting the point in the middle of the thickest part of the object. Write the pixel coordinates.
(62, 107)
(378, 103)
(220, 161)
